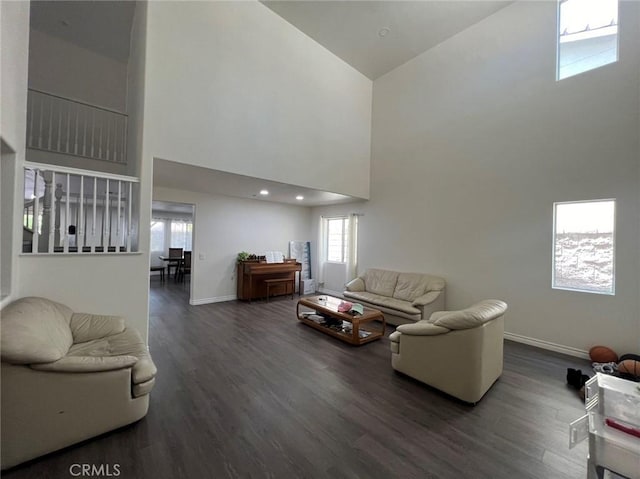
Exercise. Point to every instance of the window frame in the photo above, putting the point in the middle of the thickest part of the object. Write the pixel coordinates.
(558, 20)
(344, 238)
(613, 247)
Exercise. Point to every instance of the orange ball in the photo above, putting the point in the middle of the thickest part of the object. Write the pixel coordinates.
(603, 354)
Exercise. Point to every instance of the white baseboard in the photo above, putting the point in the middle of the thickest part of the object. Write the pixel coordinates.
(216, 299)
(539, 343)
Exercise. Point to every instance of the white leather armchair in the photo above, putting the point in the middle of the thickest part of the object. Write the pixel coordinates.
(457, 352)
(67, 377)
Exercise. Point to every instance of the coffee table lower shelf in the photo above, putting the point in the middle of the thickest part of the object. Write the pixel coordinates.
(352, 337)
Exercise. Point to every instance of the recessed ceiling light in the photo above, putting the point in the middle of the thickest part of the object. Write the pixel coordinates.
(264, 192)
(299, 197)
(383, 31)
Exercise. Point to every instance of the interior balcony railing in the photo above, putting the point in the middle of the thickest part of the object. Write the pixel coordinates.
(67, 210)
(71, 127)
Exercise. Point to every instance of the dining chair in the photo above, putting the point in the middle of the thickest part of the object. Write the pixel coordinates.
(185, 267)
(177, 254)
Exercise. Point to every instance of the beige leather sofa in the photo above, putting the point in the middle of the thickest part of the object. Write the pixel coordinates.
(402, 297)
(67, 377)
(458, 352)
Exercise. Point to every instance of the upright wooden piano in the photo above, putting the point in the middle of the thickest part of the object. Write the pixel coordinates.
(252, 276)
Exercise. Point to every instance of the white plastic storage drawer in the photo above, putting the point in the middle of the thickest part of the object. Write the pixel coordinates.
(612, 449)
(616, 398)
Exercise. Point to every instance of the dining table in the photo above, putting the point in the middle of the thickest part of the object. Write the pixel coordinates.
(175, 261)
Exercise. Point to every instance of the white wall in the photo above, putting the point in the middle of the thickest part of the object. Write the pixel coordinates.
(14, 31)
(63, 68)
(234, 87)
(136, 89)
(474, 140)
(105, 284)
(224, 226)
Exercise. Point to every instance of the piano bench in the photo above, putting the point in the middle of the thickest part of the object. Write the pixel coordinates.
(276, 282)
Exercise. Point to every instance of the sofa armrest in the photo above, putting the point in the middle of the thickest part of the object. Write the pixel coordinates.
(426, 298)
(86, 364)
(87, 327)
(355, 285)
(422, 328)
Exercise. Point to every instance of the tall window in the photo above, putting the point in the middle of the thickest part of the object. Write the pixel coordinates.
(181, 233)
(587, 35)
(337, 239)
(171, 233)
(157, 235)
(584, 246)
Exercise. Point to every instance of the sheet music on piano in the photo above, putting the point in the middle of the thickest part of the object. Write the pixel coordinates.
(274, 257)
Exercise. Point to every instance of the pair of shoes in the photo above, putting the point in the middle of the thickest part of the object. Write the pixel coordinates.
(575, 378)
(606, 368)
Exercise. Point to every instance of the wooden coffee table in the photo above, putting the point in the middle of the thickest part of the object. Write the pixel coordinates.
(364, 327)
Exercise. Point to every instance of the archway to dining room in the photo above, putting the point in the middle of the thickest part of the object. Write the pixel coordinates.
(171, 248)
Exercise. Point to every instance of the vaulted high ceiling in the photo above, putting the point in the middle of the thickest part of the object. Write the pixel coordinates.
(377, 36)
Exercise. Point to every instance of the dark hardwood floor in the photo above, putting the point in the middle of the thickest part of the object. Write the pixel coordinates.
(245, 390)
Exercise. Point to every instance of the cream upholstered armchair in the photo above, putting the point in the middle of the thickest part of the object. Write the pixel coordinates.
(457, 352)
(67, 377)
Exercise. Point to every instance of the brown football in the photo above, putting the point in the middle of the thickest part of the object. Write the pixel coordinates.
(629, 366)
(603, 354)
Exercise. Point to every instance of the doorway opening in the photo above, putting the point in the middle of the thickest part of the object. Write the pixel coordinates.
(172, 247)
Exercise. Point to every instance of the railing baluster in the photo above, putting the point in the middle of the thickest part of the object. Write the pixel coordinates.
(129, 201)
(67, 215)
(41, 117)
(118, 223)
(50, 120)
(81, 219)
(68, 143)
(30, 108)
(52, 224)
(59, 129)
(36, 213)
(108, 138)
(100, 124)
(106, 220)
(93, 130)
(93, 222)
(75, 138)
(84, 134)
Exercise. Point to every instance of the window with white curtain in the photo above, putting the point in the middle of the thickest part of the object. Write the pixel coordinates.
(171, 233)
(338, 256)
(337, 239)
(157, 235)
(181, 234)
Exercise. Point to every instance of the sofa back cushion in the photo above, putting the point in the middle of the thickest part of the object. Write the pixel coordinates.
(471, 317)
(35, 330)
(413, 285)
(380, 281)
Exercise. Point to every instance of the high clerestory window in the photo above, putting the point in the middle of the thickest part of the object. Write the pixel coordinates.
(587, 35)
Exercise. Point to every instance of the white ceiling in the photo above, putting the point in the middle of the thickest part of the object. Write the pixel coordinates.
(170, 174)
(351, 29)
(101, 26)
